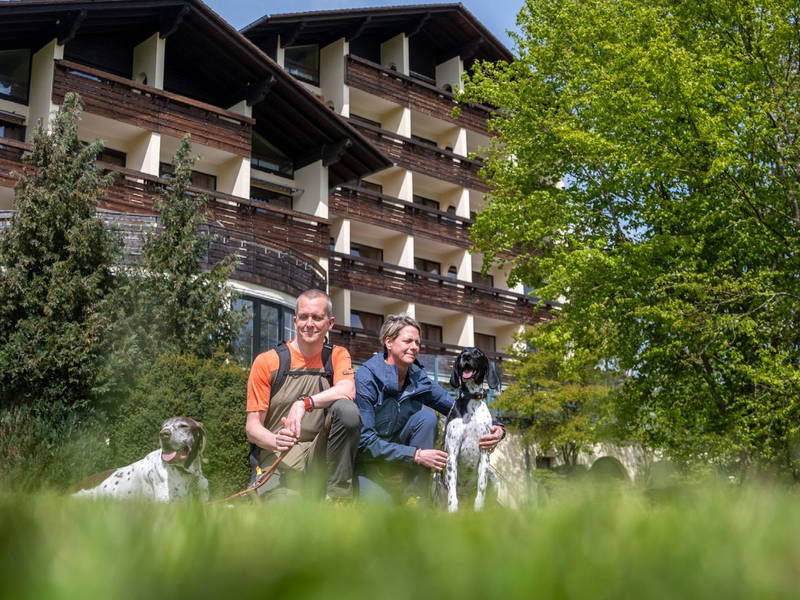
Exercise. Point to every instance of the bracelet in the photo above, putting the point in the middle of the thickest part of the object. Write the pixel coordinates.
(308, 402)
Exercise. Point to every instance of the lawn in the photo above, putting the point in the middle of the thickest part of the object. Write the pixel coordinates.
(586, 543)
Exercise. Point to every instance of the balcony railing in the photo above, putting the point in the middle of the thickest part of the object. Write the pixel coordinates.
(391, 281)
(10, 159)
(413, 93)
(267, 264)
(367, 206)
(153, 109)
(425, 158)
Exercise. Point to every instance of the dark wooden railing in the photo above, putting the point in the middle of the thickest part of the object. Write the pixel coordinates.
(425, 158)
(375, 277)
(367, 206)
(415, 94)
(150, 108)
(10, 159)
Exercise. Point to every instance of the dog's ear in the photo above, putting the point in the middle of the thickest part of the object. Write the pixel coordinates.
(494, 376)
(455, 376)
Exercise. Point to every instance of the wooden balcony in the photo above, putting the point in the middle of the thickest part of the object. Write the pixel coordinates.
(156, 110)
(415, 94)
(10, 159)
(374, 277)
(367, 206)
(425, 158)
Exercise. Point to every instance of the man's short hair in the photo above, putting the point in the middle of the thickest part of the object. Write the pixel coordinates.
(394, 323)
(313, 294)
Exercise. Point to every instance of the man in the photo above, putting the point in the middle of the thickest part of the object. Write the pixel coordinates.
(311, 418)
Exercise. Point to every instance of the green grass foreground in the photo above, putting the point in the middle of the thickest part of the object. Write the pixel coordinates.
(704, 544)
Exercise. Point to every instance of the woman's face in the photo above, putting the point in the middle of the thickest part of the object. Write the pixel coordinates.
(403, 349)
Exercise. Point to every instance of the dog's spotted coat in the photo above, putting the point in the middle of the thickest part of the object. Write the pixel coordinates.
(467, 470)
(170, 473)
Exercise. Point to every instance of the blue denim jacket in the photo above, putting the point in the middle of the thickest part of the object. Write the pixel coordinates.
(385, 409)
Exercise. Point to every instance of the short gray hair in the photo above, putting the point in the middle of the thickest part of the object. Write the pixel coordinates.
(313, 294)
(394, 323)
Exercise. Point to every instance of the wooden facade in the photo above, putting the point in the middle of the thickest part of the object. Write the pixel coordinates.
(10, 159)
(424, 158)
(155, 110)
(392, 281)
(367, 206)
(414, 94)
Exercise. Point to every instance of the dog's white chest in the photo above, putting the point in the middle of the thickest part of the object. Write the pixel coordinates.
(464, 433)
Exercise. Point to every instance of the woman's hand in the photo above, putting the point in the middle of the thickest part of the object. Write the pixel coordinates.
(432, 459)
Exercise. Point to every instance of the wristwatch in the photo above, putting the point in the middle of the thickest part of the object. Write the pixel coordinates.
(308, 402)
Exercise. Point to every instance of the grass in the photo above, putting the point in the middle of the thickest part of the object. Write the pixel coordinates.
(706, 543)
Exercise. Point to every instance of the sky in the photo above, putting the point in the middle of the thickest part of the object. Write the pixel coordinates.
(496, 15)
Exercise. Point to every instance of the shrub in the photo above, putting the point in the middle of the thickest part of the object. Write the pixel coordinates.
(210, 390)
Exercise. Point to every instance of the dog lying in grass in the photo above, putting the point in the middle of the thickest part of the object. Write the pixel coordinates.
(173, 472)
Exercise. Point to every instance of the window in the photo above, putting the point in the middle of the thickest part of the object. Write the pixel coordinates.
(364, 121)
(487, 343)
(429, 266)
(267, 324)
(373, 187)
(270, 197)
(14, 131)
(15, 73)
(452, 272)
(266, 157)
(112, 157)
(430, 333)
(303, 62)
(365, 251)
(198, 179)
(366, 320)
(477, 277)
(426, 202)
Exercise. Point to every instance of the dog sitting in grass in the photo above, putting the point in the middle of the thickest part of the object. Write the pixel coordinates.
(173, 472)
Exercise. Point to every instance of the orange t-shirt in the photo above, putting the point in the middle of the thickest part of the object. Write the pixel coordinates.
(267, 363)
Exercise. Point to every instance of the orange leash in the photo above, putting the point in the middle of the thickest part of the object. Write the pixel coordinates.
(259, 482)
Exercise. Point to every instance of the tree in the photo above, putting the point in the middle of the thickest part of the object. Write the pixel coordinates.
(55, 278)
(169, 304)
(646, 161)
(559, 397)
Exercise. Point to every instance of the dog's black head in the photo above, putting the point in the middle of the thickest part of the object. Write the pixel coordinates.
(472, 367)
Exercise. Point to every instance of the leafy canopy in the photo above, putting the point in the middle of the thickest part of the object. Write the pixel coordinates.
(646, 160)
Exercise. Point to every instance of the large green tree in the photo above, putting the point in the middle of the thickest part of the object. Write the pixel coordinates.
(647, 162)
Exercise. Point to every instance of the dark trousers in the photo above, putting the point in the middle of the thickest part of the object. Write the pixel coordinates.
(391, 482)
(331, 457)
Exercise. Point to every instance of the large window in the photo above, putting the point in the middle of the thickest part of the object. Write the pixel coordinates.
(478, 277)
(198, 179)
(487, 343)
(366, 251)
(267, 324)
(426, 202)
(15, 74)
(303, 62)
(267, 157)
(12, 129)
(431, 333)
(366, 320)
(429, 266)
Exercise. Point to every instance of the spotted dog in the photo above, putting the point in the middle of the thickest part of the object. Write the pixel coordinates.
(172, 472)
(467, 470)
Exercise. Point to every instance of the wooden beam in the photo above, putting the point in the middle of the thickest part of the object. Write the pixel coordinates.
(171, 22)
(359, 29)
(292, 37)
(69, 25)
(333, 153)
(420, 24)
(468, 49)
(256, 93)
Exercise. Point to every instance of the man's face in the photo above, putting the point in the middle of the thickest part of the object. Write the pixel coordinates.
(312, 321)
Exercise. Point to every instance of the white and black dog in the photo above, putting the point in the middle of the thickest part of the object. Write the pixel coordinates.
(467, 470)
(172, 472)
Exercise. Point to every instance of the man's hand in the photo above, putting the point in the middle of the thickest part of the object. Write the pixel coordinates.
(433, 459)
(490, 440)
(285, 438)
(292, 420)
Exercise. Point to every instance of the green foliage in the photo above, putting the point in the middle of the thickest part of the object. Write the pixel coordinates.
(169, 304)
(55, 279)
(559, 397)
(211, 390)
(706, 544)
(646, 162)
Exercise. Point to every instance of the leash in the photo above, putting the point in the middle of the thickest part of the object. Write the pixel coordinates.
(259, 482)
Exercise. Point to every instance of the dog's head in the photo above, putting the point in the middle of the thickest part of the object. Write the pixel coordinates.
(182, 441)
(471, 368)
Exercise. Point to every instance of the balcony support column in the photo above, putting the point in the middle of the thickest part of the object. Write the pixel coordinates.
(407, 308)
(399, 184)
(459, 329)
(450, 73)
(504, 336)
(399, 250)
(398, 121)
(144, 153)
(340, 232)
(462, 260)
(313, 180)
(41, 107)
(394, 54)
(148, 61)
(341, 306)
(332, 63)
(233, 177)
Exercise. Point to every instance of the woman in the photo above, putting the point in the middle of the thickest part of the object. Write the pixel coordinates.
(394, 396)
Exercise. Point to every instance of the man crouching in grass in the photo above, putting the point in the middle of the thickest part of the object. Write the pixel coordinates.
(312, 416)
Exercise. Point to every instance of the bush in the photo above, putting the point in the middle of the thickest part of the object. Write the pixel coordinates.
(210, 390)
